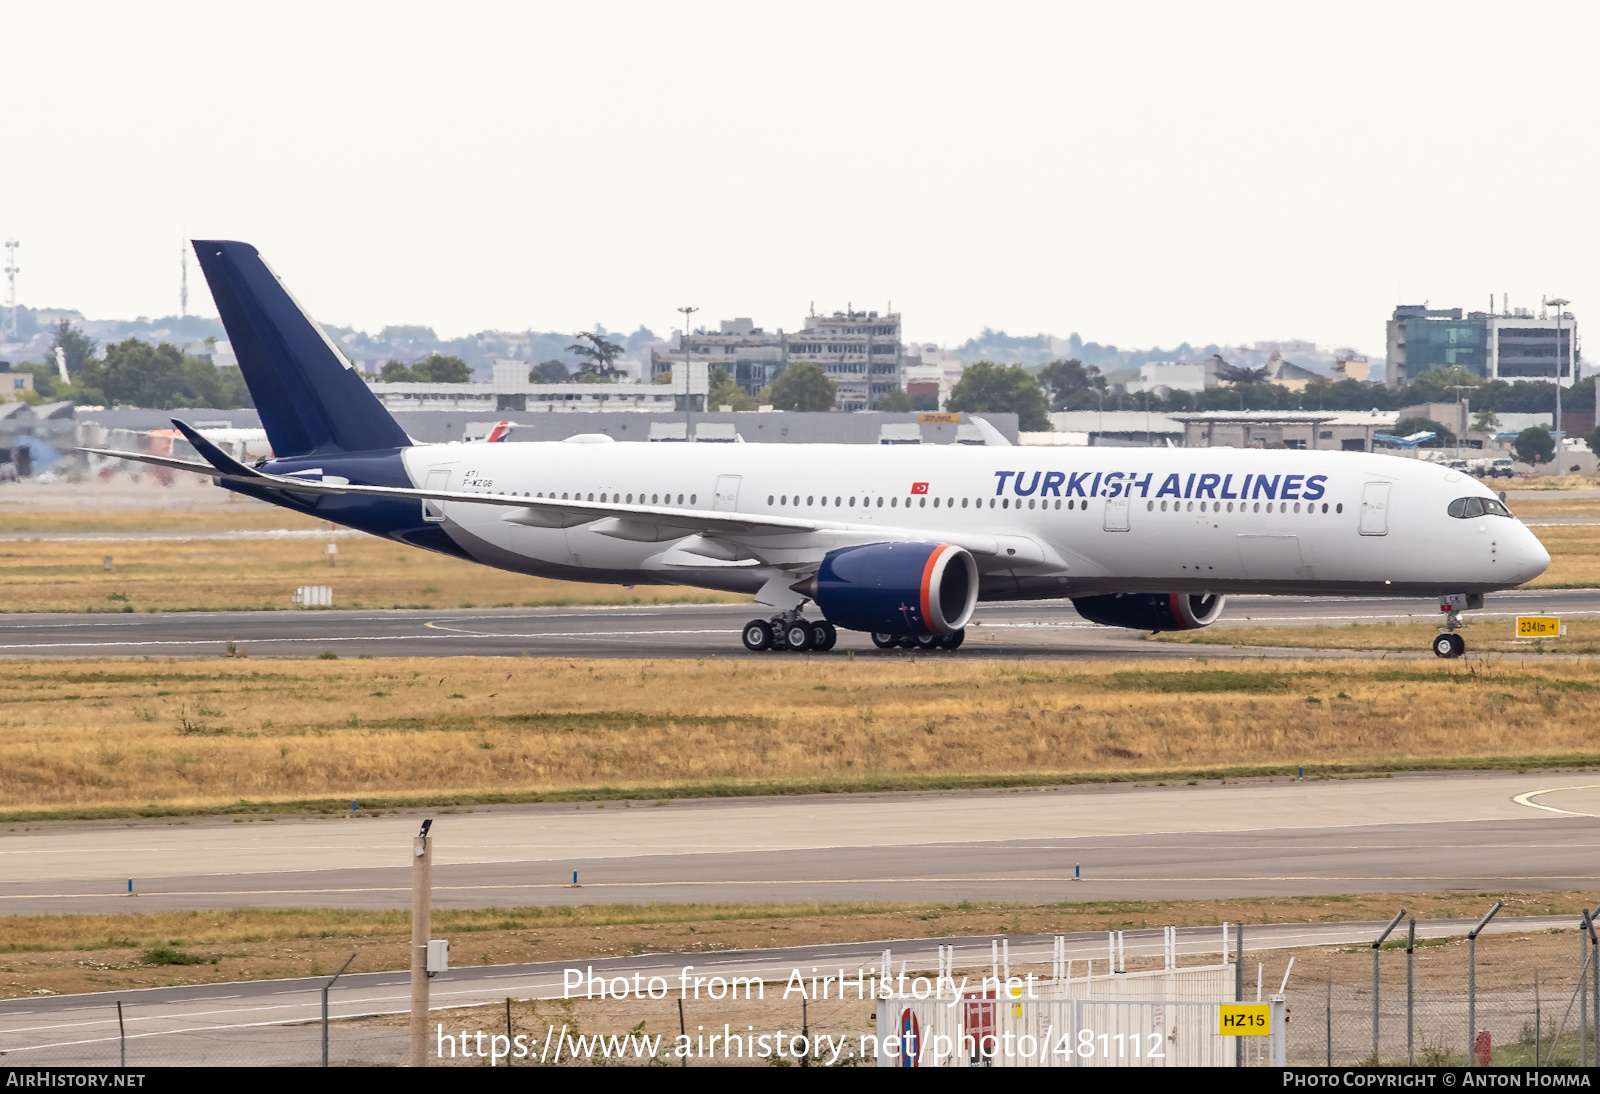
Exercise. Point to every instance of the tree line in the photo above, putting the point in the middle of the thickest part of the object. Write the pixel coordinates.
(132, 372)
(137, 373)
(1069, 385)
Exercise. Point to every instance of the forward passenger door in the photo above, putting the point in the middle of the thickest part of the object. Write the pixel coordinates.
(1116, 519)
(1375, 509)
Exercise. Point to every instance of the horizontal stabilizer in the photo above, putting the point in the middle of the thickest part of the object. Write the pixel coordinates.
(215, 456)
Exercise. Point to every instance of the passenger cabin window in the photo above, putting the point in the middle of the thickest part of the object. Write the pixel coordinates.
(1467, 508)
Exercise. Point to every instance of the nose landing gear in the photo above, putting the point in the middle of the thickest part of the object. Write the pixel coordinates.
(1448, 643)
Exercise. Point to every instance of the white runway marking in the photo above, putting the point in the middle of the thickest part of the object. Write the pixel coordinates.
(1527, 799)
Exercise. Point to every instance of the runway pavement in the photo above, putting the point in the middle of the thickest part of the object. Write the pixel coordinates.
(1477, 833)
(274, 1021)
(1043, 629)
(1257, 837)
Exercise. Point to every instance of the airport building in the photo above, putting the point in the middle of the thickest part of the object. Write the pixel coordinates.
(511, 390)
(1329, 430)
(860, 351)
(1511, 344)
(437, 425)
(752, 357)
(925, 369)
(1109, 428)
(1161, 377)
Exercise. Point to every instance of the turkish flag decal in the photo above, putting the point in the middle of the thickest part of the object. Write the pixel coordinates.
(919, 488)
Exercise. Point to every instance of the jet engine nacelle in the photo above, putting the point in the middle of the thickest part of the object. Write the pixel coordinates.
(1151, 611)
(896, 588)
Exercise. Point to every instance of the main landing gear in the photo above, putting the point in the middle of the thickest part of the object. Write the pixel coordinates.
(920, 642)
(789, 632)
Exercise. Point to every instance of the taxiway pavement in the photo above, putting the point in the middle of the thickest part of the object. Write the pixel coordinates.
(1047, 629)
(1255, 837)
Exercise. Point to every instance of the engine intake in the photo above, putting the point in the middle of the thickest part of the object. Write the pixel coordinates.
(1151, 611)
(896, 588)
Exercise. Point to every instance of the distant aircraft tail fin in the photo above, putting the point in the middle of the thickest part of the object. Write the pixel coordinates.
(309, 397)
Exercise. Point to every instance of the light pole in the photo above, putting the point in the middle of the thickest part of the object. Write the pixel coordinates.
(12, 270)
(688, 314)
(1461, 415)
(421, 928)
(1557, 303)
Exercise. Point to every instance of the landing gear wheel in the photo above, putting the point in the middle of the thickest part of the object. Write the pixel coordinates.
(757, 636)
(823, 636)
(928, 642)
(1449, 645)
(954, 639)
(885, 641)
(906, 643)
(797, 636)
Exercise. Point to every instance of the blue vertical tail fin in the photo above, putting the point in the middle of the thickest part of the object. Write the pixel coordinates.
(310, 399)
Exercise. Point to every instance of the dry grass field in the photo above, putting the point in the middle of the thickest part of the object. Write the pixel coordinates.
(1555, 505)
(1574, 557)
(100, 952)
(104, 737)
(241, 516)
(1490, 636)
(223, 574)
(1575, 480)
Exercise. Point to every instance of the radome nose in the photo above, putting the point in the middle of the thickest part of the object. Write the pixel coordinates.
(1528, 557)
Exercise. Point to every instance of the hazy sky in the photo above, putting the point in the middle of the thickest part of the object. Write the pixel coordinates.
(1139, 173)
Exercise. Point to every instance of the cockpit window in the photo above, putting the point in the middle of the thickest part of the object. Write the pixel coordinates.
(1467, 508)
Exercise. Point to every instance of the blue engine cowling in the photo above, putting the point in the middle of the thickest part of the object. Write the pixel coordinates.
(1151, 611)
(906, 589)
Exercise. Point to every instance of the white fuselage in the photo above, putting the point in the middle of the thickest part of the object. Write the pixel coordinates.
(1041, 522)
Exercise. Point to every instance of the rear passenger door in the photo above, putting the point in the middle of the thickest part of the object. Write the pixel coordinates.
(438, 479)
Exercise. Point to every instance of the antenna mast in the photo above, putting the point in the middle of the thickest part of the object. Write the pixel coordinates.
(11, 282)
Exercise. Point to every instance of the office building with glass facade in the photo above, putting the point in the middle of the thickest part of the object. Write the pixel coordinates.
(1507, 345)
(1422, 338)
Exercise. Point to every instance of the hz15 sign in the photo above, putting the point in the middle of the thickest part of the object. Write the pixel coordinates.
(1244, 1020)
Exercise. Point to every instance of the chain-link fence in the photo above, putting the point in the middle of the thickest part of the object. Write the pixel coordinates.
(1506, 1000)
(350, 1044)
(1500, 1001)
